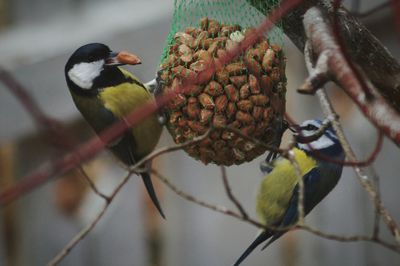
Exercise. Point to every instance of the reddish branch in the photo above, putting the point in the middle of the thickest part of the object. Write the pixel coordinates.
(90, 148)
(73, 159)
(364, 48)
(344, 51)
(230, 195)
(239, 216)
(54, 130)
(318, 47)
(83, 233)
(331, 60)
(23, 96)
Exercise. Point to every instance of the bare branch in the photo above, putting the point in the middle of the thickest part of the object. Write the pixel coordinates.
(23, 96)
(83, 233)
(362, 176)
(228, 191)
(377, 218)
(333, 116)
(376, 109)
(175, 147)
(318, 76)
(303, 226)
(93, 185)
(191, 198)
(254, 140)
(216, 208)
(354, 238)
(54, 130)
(300, 202)
(92, 147)
(364, 48)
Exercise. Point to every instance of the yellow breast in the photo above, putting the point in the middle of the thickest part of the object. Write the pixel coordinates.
(277, 187)
(123, 99)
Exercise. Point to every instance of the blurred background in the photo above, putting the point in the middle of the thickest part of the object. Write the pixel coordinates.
(36, 39)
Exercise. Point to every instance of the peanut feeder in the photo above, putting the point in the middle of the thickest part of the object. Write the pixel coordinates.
(247, 94)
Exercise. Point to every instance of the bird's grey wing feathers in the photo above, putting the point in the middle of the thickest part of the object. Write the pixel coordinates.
(290, 216)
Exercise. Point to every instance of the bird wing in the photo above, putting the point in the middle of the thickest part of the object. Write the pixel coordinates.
(123, 99)
(277, 204)
(310, 180)
(276, 189)
(120, 100)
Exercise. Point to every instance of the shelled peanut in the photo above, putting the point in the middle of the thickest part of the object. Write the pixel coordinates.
(247, 94)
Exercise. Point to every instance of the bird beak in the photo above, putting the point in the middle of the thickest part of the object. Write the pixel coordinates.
(122, 58)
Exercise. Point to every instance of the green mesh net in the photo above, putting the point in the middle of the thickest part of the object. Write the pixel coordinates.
(246, 94)
(246, 13)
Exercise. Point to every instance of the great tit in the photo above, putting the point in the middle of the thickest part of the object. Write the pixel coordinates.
(104, 93)
(277, 198)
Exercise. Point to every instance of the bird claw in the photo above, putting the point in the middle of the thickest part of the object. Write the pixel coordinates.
(162, 117)
(155, 86)
(283, 125)
(151, 86)
(160, 82)
(266, 167)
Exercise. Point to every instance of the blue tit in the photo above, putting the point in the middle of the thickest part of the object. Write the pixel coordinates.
(277, 198)
(104, 93)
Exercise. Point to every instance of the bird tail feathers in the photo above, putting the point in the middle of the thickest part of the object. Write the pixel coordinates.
(263, 236)
(150, 190)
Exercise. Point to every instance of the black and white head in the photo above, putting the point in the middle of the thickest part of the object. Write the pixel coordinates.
(94, 65)
(328, 143)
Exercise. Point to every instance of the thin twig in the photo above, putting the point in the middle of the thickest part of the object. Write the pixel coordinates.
(354, 238)
(300, 203)
(377, 216)
(92, 147)
(373, 105)
(191, 198)
(267, 146)
(300, 138)
(169, 149)
(18, 90)
(135, 168)
(228, 191)
(314, 69)
(93, 185)
(55, 131)
(303, 226)
(345, 54)
(83, 233)
(360, 173)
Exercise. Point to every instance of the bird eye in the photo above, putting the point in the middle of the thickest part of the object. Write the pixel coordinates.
(310, 127)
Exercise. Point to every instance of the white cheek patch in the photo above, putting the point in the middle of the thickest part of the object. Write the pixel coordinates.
(83, 74)
(322, 143)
